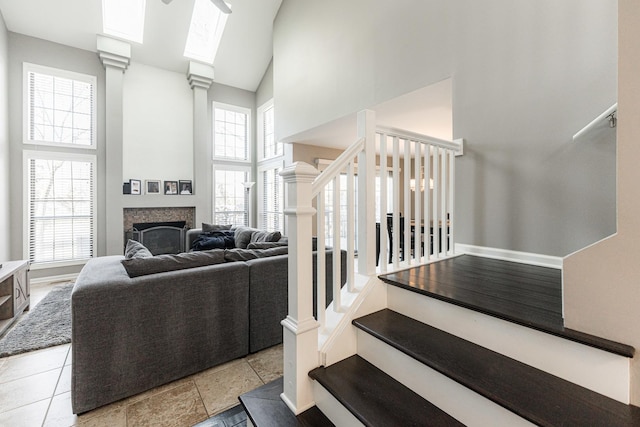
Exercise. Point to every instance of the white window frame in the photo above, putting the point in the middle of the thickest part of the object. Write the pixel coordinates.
(233, 168)
(265, 166)
(237, 109)
(260, 132)
(55, 72)
(49, 155)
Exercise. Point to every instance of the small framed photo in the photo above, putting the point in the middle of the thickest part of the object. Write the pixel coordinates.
(171, 187)
(185, 187)
(152, 186)
(136, 186)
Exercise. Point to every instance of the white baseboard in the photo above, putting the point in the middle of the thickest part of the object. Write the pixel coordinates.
(508, 255)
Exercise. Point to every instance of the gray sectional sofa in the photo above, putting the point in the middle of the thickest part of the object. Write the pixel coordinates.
(130, 334)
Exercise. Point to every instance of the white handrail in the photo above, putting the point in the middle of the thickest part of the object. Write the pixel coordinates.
(425, 139)
(336, 167)
(609, 111)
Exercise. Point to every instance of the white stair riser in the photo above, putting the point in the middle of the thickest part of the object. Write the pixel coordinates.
(462, 403)
(600, 371)
(332, 409)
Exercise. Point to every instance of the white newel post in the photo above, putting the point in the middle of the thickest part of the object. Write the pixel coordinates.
(300, 328)
(115, 56)
(366, 188)
(200, 77)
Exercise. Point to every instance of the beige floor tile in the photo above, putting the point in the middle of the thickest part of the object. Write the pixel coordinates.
(60, 413)
(114, 411)
(69, 359)
(160, 389)
(64, 383)
(24, 391)
(220, 389)
(177, 407)
(268, 364)
(25, 416)
(34, 362)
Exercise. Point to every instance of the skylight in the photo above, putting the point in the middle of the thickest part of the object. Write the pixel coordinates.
(205, 32)
(124, 19)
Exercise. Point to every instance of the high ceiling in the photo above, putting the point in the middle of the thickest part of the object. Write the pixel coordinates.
(244, 53)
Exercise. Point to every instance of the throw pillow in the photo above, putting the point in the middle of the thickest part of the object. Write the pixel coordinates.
(214, 227)
(266, 245)
(135, 249)
(162, 263)
(214, 240)
(265, 236)
(242, 236)
(238, 254)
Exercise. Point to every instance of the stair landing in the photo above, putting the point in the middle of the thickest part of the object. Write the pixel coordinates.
(524, 294)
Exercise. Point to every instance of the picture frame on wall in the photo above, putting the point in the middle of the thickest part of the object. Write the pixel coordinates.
(186, 187)
(136, 186)
(152, 186)
(171, 187)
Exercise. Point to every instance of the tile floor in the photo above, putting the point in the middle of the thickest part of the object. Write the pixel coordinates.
(35, 390)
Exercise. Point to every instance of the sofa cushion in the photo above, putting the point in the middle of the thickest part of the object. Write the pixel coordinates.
(135, 249)
(239, 254)
(214, 227)
(265, 236)
(267, 245)
(214, 240)
(162, 263)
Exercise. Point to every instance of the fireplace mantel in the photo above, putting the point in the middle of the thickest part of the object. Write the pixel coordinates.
(158, 201)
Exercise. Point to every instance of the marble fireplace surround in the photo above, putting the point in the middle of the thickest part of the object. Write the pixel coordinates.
(140, 215)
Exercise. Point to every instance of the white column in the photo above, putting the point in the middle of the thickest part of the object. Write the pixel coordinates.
(200, 77)
(115, 56)
(366, 190)
(300, 328)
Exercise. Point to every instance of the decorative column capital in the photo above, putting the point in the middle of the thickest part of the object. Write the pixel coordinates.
(299, 172)
(199, 75)
(113, 53)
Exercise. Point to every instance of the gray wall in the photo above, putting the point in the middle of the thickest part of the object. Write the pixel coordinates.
(526, 76)
(28, 49)
(5, 226)
(265, 88)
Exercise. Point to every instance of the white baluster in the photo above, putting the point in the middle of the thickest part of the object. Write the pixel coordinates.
(417, 204)
(395, 227)
(337, 300)
(407, 202)
(436, 202)
(427, 198)
(321, 278)
(351, 224)
(384, 258)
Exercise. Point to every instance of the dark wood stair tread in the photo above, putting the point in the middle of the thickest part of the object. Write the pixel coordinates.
(529, 392)
(375, 398)
(265, 408)
(527, 295)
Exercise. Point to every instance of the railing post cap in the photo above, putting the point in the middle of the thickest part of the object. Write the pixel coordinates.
(299, 172)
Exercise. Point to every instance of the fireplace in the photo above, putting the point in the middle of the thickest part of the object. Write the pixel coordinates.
(159, 237)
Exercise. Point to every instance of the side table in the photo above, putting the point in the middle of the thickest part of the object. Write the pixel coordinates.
(14, 291)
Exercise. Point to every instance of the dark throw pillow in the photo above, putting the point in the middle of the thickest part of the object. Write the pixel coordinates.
(135, 249)
(215, 227)
(214, 240)
(162, 263)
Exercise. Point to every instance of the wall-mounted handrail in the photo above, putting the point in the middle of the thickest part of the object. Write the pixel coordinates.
(609, 111)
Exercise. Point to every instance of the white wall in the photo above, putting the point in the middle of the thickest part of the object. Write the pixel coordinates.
(158, 124)
(5, 226)
(526, 76)
(601, 282)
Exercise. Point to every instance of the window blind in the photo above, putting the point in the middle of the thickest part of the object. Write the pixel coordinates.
(230, 140)
(61, 210)
(61, 110)
(271, 215)
(230, 198)
(270, 147)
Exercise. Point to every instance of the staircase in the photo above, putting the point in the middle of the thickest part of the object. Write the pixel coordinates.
(401, 345)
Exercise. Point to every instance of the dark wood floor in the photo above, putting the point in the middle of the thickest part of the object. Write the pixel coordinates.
(524, 294)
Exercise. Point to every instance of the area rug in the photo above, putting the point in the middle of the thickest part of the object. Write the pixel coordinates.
(46, 325)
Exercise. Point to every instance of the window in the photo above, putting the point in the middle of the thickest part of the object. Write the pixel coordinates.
(230, 196)
(61, 206)
(267, 143)
(271, 215)
(231, 132)
(60, 107)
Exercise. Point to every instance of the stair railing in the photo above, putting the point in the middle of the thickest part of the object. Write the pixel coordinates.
(346, 220)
